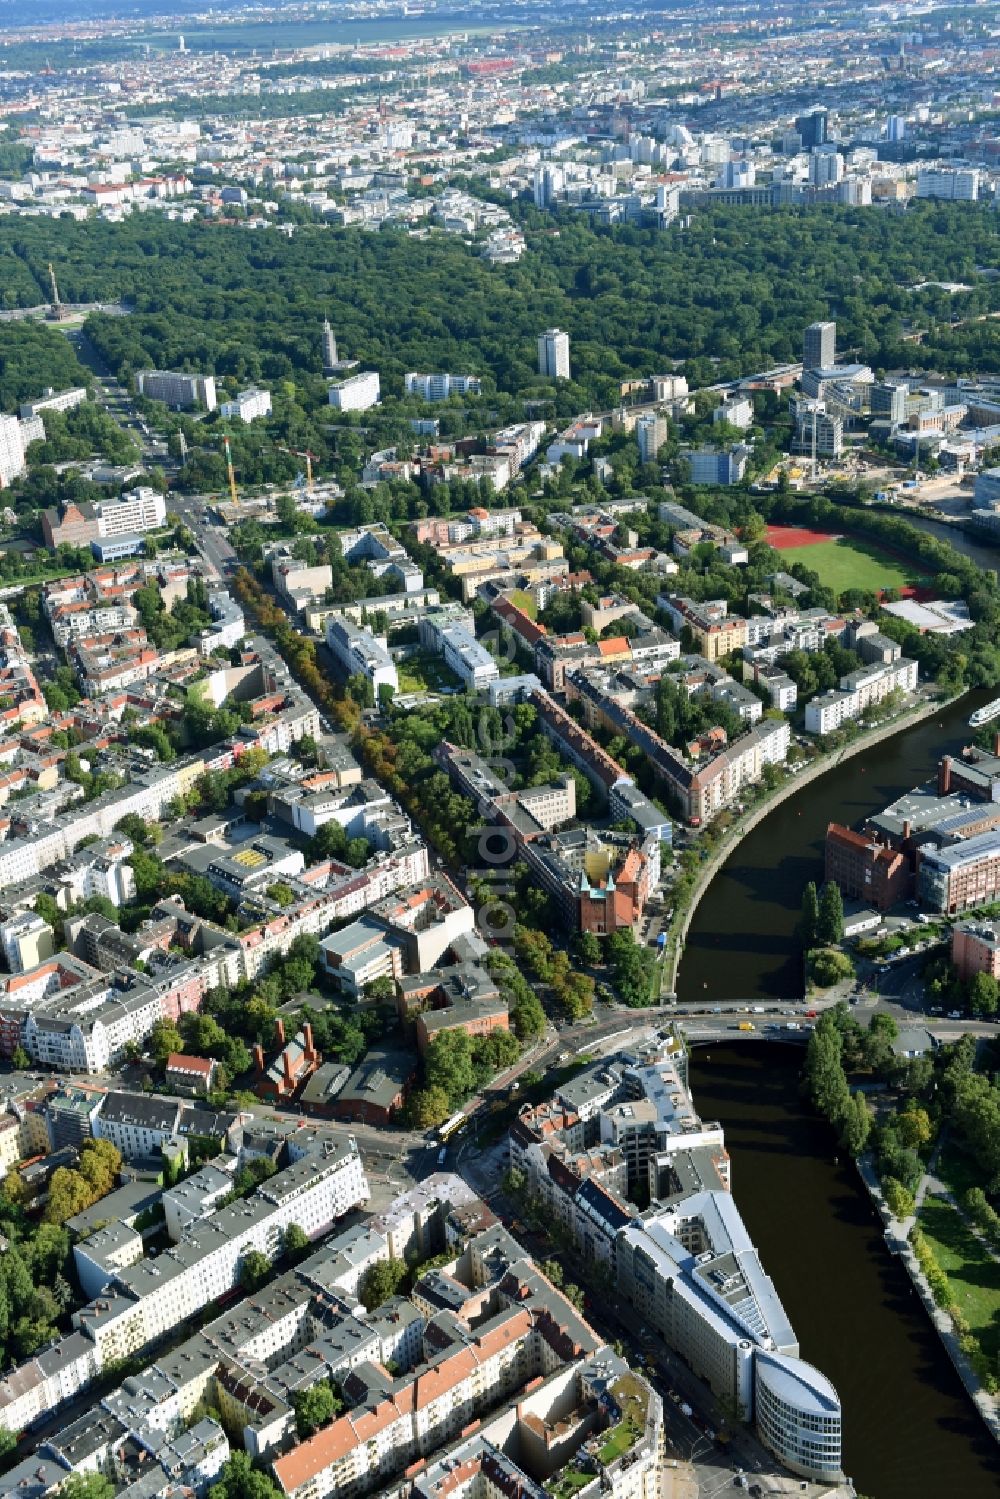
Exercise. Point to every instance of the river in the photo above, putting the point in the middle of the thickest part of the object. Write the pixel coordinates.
(909, 1429)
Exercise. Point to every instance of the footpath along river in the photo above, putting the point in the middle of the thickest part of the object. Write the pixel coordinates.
(909, 1430)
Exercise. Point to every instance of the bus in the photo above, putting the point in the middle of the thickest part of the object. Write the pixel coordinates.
(450, 1127)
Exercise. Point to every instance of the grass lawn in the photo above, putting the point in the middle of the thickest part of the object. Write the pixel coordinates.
(568, 1483)
(425, 673)
(850, 563)
(525, 602)
(973, 1274)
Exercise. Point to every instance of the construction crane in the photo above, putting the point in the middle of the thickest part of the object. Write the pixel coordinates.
(56, 311)
(230, 475)
(302, 453)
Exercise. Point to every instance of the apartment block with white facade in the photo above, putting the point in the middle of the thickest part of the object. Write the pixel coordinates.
(357, 393)
(859, 691)
(249, 406)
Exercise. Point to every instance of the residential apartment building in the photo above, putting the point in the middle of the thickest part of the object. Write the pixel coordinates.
(175, 389)
(357, 393)
(959, 184)
(553, 354)
(440, 387)
(249, 406)
(651, 433)
(859, 691)
(360, 652)
(462, 653)
(975, 948)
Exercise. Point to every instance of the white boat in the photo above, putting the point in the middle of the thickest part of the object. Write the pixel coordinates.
(986, 714)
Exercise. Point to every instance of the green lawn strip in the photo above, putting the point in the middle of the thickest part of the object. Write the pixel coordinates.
(973, 1274)
(850, 563)
(524, 601)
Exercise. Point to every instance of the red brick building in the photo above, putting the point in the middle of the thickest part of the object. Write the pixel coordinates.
(865, 869)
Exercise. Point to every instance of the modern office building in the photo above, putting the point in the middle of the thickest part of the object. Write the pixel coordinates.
(717, 466)
(963, 875)
(819, 346)
(357, 393)
(176, 389)
(812, 128)
(895, 128)
(825, 167)
(553, 354)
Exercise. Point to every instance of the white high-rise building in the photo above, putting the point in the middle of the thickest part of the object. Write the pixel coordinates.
(11, 450)
(357, 392)
(651, 431)
(825, 167)
(553, 354)
(329, 346)
(819, 346)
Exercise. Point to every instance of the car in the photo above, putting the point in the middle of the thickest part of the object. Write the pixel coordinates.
(954, 1014)
(936, 1010)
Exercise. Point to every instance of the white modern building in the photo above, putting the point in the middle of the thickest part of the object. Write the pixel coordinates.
(137, 511)
(651, 432)
(249, 406)
(11, 450)
(859, 690)
(362, 653)
(553, 354)
(357, 393)
(440, 387)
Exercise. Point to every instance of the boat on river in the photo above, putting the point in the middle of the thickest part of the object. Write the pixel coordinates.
(985, 714)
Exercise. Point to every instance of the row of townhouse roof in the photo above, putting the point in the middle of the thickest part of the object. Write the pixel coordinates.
(702, 788)
(139, 1299)
(485, 1336)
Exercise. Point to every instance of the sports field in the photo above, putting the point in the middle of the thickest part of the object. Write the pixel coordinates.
(843, 562)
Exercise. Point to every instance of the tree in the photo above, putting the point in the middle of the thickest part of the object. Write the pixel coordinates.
(856, 1124)
(254, 1270)
(809, 923)
(428, 1107)
(830, 927)
(87, 1486)
(448, 1065)
(164, 1040)
(239, 1479)
(899, 1201)
(913, 1127)
(295, 1241)
(380, 1281)
(314, 1407)
(984, 994)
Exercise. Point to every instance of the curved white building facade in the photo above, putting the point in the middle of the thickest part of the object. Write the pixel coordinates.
(797, 1411)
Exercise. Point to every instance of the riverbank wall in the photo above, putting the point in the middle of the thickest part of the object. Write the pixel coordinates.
(747, 823)
(897, 1240)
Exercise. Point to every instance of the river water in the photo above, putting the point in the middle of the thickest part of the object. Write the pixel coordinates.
(910, 1431)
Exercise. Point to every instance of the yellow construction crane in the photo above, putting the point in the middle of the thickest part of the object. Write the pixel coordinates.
(229, 472)
(302, 453)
